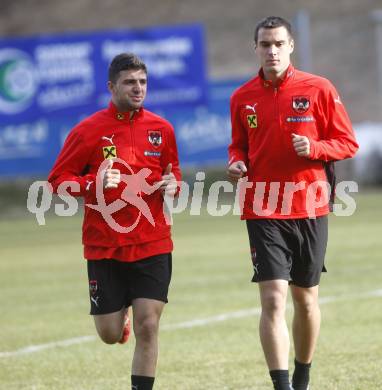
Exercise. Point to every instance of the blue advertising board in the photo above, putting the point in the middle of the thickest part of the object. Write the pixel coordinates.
(68, 73)
(50, 83)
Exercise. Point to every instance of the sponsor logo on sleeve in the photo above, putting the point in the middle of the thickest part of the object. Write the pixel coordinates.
(109, 152)
(251, 107)
(337, 100)
(108, 138)
(252, 121)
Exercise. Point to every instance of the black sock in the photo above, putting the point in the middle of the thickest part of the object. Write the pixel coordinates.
(300, 379)
(142, 382)
(280, 379)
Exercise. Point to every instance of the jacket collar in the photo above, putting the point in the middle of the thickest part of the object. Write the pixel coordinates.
(289, 74)
(123, 116)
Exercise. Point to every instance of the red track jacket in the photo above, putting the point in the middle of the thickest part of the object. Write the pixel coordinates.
(263, 119)
(145, 141)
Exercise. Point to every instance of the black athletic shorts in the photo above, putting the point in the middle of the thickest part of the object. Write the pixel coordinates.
(288, 249)
(115, 284)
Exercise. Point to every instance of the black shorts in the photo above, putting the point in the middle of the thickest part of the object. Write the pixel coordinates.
(288, 249)
(115, 284)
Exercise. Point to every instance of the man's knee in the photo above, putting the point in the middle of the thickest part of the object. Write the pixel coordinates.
(305, 300)
(273, 297)
(273, 303)
(109, 327)
(109, 335)
(147, 329)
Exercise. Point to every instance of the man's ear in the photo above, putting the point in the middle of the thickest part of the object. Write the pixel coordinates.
(291, 46)
(110, 86)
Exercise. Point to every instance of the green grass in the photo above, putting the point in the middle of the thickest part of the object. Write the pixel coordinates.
(44, 298)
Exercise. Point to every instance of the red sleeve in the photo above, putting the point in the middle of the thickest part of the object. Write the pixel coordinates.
(71, 165)
(170, 154)
(238, 149)
(338, 140)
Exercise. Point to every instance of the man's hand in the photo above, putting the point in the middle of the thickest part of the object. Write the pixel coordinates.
(168, 184)
(301, 145)
(236, 170)
(112, 177)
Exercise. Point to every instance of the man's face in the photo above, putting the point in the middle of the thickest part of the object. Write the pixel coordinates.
(274, 47)
(129, 91)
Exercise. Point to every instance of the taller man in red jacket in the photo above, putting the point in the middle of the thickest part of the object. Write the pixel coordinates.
(123, 160)
(288, 127)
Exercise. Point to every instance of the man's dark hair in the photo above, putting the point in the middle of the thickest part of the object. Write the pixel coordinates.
(125, 61)
(273, 22)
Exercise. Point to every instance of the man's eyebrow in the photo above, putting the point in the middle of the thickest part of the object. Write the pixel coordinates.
(132, 79)
(275, 41)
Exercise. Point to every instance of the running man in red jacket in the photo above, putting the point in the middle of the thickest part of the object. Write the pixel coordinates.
(123, 160)
(288, 128)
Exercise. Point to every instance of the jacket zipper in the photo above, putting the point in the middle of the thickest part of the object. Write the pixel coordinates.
(132, 140)
(276, 100)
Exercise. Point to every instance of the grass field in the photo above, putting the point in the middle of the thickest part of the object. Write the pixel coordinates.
(44, 299)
